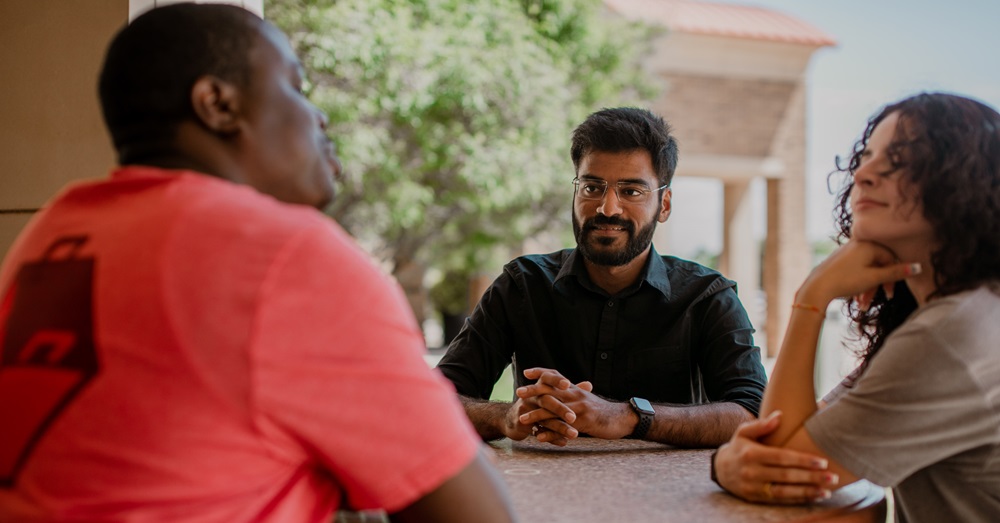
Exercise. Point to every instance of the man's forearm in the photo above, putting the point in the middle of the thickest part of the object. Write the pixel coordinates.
(488, 417)
(707, 425)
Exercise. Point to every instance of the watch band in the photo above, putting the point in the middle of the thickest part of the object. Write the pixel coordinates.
(645, 417)
(712, 474)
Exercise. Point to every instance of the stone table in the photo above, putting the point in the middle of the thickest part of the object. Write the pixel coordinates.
(599, 481)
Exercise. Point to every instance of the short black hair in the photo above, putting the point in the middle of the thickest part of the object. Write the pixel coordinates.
(151, 65)
(627, 129)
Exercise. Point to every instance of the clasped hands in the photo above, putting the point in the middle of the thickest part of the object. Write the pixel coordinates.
(555, 410)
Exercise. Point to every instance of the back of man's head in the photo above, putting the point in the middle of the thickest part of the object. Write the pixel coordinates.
(145, 83)
(625, 129)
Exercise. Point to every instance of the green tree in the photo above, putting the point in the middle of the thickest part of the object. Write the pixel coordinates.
(453, 117)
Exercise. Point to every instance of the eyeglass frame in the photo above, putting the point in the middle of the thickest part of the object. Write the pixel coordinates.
(576, 189)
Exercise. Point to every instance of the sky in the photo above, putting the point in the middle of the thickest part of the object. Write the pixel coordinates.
(887, 50)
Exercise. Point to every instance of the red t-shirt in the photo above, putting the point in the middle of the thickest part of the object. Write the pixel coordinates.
(180, 348)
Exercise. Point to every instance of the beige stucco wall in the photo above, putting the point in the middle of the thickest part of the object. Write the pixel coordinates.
(725, 116)
(50, 127)
(737, 107)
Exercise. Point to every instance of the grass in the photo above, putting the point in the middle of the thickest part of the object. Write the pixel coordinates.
(504, 388)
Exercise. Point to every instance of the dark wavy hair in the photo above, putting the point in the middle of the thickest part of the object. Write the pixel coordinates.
(627, 129)
(947, 149)
(152, 63)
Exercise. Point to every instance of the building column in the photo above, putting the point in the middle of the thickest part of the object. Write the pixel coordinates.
(787, 253)
(740, 259)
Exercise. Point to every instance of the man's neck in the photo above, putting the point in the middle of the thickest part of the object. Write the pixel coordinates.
(191, 149)
(166, 162)
(615, 279)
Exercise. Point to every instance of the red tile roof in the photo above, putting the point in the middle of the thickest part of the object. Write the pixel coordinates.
(711, 18)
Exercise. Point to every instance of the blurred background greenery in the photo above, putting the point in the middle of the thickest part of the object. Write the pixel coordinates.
(453, 119)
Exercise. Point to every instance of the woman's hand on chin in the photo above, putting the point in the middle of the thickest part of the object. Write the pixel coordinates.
(858, 269)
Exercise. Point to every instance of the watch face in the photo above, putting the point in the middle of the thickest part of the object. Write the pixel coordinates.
(642, 405)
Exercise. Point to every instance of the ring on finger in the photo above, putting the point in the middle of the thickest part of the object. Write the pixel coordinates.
(767, 490)
(535, 429)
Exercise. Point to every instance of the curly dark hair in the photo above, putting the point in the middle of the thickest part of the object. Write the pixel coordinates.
(947, 148)
(627, 129)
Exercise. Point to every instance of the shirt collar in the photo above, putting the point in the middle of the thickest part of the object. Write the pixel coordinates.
(653, 274)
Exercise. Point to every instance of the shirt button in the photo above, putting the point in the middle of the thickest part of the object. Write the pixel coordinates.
(604, 355)
(611, 303)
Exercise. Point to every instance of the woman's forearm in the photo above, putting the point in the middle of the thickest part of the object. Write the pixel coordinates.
(857, 268)
(791, 388)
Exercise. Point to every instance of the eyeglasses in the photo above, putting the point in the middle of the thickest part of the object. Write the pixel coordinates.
(628, 192)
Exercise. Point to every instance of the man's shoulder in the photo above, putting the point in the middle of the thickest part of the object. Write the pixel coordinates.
(541, 265)
(204, 213)
(687, 272)
(691, 267)
(689, 281)
(224, 208)
(220, 197)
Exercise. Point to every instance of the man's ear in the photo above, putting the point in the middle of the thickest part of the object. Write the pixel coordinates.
(668, 194)
(216, 103)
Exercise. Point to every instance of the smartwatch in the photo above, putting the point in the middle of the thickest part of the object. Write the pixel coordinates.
(645, 411)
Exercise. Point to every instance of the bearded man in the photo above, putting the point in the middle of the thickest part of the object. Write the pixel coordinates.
(610, 339)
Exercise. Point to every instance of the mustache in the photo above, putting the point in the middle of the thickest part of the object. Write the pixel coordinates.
(599, 220)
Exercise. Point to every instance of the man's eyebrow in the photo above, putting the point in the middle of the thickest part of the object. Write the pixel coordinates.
(634, 181)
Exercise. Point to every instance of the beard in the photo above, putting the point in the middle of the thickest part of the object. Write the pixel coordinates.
(635, 245)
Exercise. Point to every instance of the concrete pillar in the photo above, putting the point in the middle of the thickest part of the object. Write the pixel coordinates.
(787, 254)
(740, 259)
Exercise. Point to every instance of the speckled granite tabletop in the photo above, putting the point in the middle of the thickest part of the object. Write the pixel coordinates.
(593, 480)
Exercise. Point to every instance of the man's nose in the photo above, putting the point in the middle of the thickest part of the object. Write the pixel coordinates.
(611, 203)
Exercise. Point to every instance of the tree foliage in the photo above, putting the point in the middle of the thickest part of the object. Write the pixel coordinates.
(453, 117)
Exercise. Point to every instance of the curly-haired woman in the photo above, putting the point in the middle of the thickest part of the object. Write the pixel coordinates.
(919, 220)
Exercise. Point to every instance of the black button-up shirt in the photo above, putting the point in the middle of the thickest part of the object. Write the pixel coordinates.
(679, 335)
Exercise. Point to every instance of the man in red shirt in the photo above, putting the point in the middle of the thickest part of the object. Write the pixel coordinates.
(191, 340)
